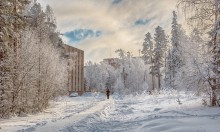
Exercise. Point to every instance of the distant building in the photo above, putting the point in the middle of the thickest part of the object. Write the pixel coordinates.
(75, 80)
(114, 62)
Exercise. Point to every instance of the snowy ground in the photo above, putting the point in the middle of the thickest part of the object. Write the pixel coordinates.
(141, 113)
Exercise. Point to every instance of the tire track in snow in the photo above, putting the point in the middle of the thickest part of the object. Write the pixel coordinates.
(60, 125)
(78, 109)
(93, 117)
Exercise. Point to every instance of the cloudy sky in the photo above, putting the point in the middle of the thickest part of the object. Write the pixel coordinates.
(99, 27)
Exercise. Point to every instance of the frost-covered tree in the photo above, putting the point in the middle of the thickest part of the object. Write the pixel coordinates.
(49, 64)
(12, 22)
(160, 49)
(28, 96)
(192, 75)
(147, 51)
(121, 53)
(130, 76)
(215, 42)
(125, 78)
(31, 67)
(204, 15)
(98, 75)
(175, 58)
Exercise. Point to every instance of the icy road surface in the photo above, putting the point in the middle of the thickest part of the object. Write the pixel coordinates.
(141, 113)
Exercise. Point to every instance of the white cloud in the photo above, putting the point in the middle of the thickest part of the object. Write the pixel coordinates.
(116, 21)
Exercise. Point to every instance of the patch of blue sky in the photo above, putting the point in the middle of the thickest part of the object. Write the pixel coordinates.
(141, 22)
(98, 33)
(78, 35)
(116, 1)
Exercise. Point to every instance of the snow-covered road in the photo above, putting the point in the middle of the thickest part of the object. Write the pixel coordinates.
(136, 114)
(61, 113)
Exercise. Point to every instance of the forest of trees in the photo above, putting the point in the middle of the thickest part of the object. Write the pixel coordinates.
(32, 70)
(180, 62)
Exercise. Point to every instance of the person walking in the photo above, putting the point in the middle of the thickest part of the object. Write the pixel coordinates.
(107, 93)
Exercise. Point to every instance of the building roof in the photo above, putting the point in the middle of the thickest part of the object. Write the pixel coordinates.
(69, 46)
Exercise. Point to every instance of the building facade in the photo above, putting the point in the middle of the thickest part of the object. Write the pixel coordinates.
(75, 78)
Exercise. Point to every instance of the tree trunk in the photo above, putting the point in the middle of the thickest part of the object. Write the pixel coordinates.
(213, 98)
(152, 74)
(153, 82)
(159, 81)
(215, 80)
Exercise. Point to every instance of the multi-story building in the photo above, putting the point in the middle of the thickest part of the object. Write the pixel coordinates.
(114, 62)
(75, 78)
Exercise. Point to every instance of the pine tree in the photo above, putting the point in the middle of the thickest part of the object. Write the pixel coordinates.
(147, 51)
(174, 59)
(159, 53)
